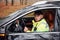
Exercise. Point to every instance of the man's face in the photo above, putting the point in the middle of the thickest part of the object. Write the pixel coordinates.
(38, 17)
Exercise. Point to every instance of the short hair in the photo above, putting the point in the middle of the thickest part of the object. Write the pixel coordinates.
(38, 12)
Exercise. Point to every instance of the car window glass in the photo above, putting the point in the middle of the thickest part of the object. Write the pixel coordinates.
(26, 21)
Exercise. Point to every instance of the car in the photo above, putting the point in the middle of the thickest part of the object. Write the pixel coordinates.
(25, 15)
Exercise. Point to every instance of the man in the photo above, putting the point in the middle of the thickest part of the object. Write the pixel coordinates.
(39, 23)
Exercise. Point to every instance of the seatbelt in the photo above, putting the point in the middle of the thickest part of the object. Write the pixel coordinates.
(35, 27)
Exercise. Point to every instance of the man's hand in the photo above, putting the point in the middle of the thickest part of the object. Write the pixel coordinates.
(25, 29)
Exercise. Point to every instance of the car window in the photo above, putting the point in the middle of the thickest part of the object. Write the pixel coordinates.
(26, 21)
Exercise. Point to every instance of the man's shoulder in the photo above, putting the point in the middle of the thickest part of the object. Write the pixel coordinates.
(43, 21)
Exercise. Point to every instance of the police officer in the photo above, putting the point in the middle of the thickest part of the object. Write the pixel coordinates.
(39, 23)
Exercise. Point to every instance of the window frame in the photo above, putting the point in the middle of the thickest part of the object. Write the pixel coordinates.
(54, 21)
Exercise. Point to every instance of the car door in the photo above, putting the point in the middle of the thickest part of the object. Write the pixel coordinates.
(53, 35)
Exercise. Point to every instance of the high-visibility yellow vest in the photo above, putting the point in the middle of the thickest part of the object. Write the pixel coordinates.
(41, 26)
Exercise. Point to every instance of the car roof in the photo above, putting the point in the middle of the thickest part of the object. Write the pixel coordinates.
(21, 12)
(47, 2)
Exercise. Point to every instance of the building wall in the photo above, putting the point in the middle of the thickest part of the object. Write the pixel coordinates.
(9, 6)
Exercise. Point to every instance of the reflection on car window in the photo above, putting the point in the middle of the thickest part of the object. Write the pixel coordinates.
(16, 26)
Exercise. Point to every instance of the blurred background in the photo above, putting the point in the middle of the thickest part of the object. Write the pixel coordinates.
(9, 6)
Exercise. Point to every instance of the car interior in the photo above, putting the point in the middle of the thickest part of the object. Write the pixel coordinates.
(26, 20)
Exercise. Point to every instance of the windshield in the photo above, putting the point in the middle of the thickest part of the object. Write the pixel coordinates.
(5, 18)
(9, 17)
